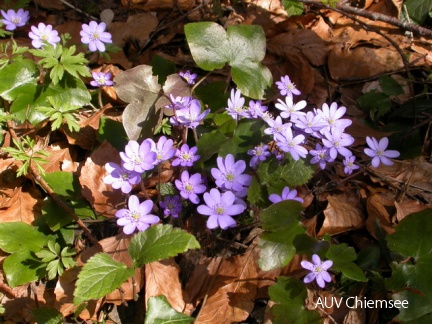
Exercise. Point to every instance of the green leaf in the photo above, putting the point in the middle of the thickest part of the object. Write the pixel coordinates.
(411, 282)
(160, 242)
(293, 7)
(210, 144)
(257, 194)
(242, 47)
(213, 95)
(54, 215)
(377, 104)
(140, 89)
(390, 86)
(162, 68)
(418, 10)
(18, 78)
(113, 132)
(343, 256)
(159, 311)
(281, 224)
(290, 295)
(22, 267)
(12, 234)
(100, 276)
(66, 185)
(47, 315)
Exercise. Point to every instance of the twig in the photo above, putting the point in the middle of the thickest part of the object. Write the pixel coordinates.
(36, 175)
(79, 10)
(375, 16)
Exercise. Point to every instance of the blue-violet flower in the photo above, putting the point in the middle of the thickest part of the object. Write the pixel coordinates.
(186, 156)
(287, 194)
(101, 79)
(287, 87)
(42, 35)
(378, 153)
(138, 158)
(318, 270)
(190, 186)
(13, 19)
(95, 35)
(120, 178)
(229, 174)
(189, 77)
(171, 206)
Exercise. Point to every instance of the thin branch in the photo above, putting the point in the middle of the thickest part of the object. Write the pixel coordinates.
(375, 16)
(36, 175)
(79, 10)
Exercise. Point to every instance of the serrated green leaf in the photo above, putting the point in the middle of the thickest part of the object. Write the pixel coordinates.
(46, 256)
(290, 295)
(22, 267)
(12, 234)
(47, 315)
(242, 47)
(139, 88)
(160, 242)
(293, 7)
(53, 268)
(343, 256)
(100, 276)
(159, 311)
(257, 194)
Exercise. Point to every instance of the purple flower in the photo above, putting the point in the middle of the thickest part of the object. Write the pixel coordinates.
(320, 155)
(336, 141)
(349, 165)
(189, 77)
(13, 19)
(220, 208)
(229, 175)
(171, 206)
(290, 144)
(236, 105)
(95, 35)
(286, 87)
(286, 195)
(101, 79)
(318, 270)
(310, 123)
(255, 109)
(276, 126)
(179, 102)
(189, 187)
(331, 115)
(120, 178)
(289, 109)
(378, 153)
(42, 35)
(259, 153)
(138, 158)
(137, 216)
(164, 149)
(190, 116)
(186, 156)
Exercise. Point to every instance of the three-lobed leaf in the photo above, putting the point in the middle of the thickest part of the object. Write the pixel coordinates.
(100, 276)
(160, 242)
(242, 47)
(343, 256)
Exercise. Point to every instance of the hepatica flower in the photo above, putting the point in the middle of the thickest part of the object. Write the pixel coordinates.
(137, 216)
(320, 155)
(336, 141)
(220, 208)
(120, 178)
(13, 19)
(287, 194)
(287, 87)
(236, 105)
(190, 186)
(95, 36)
(331, 115)
(101, 79)
(378, 153)
(190, 116)
(349, 165)
(290, 144)
(189, 77)
(42, 35)
(138, 158)
(318, 270)
(229, 174)
(164, 149)
(171, 206)
(289, 109)
(185, 156)
(259, 153)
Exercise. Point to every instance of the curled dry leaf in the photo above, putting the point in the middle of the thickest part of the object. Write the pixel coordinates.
(162, 278)
(377, 206)
(343, 213)
(137, 28)
(102, 197)
(232, 292)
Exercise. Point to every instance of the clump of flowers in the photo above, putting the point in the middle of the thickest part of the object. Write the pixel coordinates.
(13, 19)
(95, 36)
(318, 270)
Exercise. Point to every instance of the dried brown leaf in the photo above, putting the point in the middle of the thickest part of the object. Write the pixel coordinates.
(162, 278)
(137, 27)
(24, 204)
(343, 213)
(377, 206)
(232, 292)
(58, 154)
(102, 197)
